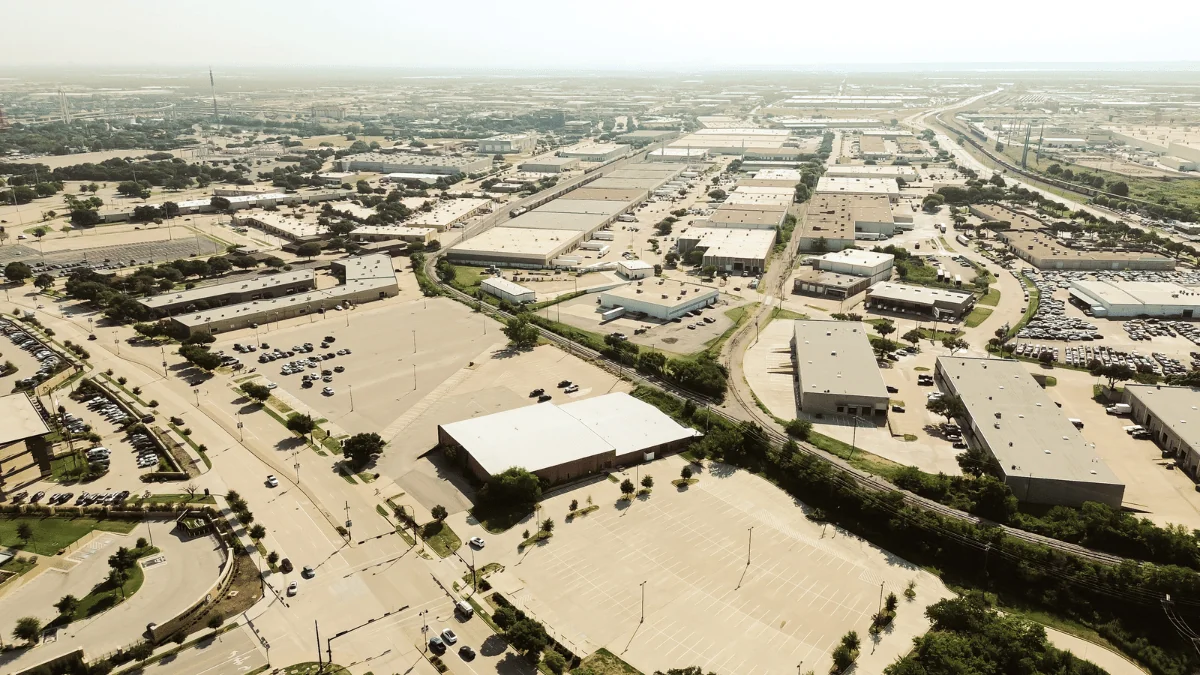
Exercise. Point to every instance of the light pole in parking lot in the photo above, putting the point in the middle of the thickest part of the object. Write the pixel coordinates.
(643, 619)
(749, 541)
(117, 342)
(239, 426)
(853, 438)
(350, 387)
(197, 393)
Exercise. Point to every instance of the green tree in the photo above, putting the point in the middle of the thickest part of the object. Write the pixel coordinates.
(514, 487)
(29, 629)
(647, 481)
(686, 473)
(885, 328)
(547, 525)
(439, 513)
(947, 406)
(272, 558)
(301, 425)
(67, 605)
(309, 249)
(520, 333)
(219, 203)
(120, 563)
(955, 344)
(24, 531)
(258, 531)
(361, 448)
(258, 392)
(43, 281)
(17, 271)
(528, 637)
(627, 487)
(555, 662)
(912, 337)
(200, 357)
(131, 188)
(1114, 373)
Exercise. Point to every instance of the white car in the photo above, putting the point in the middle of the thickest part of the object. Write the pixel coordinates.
(477, 542)
(448, 636)
(328, 391)
(293, 588)
(272, 481)
(271, 385)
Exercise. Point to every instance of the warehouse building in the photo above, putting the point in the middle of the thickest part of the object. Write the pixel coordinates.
(905, 173)
(562, 442)
(542, 219)
(409, 235)
(828, 284)
(677, 155)
(506, 290)
(875, 267)
(866, 187)
(629, 196)
(426, 178)
(447, 213)
(529, 248)
(1046, 253)
(904, 299)
(1172, 416)
(747, 216)
(505, 144)
(1121, 299)
(22, 453)
(635, 269)
(641, 138)
(664, 300)
(607, 209)
(732, 250)
(281, 225)
(364, 278)
(628, 183)
(231, 293)
(595, 152)
(834, 221)
(836, 371)
(549, 164)
(1042, 456)
(397, 163)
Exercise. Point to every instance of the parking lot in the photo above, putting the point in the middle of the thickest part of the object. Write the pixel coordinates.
(737, 580)
(389, 344)
(114, 256)
(676, 338)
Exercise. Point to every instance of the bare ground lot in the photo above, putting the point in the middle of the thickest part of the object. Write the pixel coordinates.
(803, 588)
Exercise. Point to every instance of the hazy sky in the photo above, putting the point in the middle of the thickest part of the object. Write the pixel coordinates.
(611, 34)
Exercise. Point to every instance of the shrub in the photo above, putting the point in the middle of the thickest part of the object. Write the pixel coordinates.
(215, 621)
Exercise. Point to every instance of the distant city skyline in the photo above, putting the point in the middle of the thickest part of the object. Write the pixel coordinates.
(615, 36)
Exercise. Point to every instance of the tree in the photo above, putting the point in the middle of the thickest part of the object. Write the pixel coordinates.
(528, 637)
(912, 337)
(547, 525)
(717, 194)
(301, 425)
(514, 487)
(342, 228)
(1114, 373)
(219, 203)
(1119, 188)
(17, 271)
(131, 188)
(947, 406)
(258, 392)
(43, 281)
(120, 563)
(81, 217)
(520, 333)
(258, 531)
(309, 249)
(272, 558)
(627, 487)
(67, 605)
(215, 621)
(24, 531)
(39, 232)
(29, 629)
(954, 344)
(439, 513)
(798, 429)
(361, 448)
(555, 662)
(200, 357)
(647, 481)
(885, 328)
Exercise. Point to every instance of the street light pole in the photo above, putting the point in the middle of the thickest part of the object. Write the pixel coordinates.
(643, 619)
(197, 393)
(351, 388)
(749, 542)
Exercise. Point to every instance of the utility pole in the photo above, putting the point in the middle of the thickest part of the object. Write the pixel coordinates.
(643, 619)
(881, 596)
(317, 627)
(749, 542)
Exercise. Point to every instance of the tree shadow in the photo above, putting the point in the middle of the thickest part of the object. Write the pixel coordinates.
(622, 504)
(290, 443)
(719, 470)
(494, 645)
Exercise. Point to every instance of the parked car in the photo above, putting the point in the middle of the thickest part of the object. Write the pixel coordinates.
(477, 542)
(436, 644)
(272, 481)
(293, 588)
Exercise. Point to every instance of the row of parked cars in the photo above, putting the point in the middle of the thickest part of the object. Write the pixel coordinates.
(48, 362)
(1146, 329)
(108, 410)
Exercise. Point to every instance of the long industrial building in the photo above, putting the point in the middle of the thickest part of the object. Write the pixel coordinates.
(873, 266)
(836, 371)
(663, 300)
(563, 442)
(231, 293)
(1121, 299)
(836, 185)
(1042, 456)
(1046, 253)
(833, 222)
(732, 250)
(935, 303)
(398, 163)
(1172, 416)
(363, 278)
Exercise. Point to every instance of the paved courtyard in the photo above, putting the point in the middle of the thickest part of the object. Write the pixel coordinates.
(804, 587)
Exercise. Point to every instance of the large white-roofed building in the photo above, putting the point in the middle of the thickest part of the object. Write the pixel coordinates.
(663, 300)
(1172, 416)
(532, 248)
(858, 263)
(560, 443)
(447, 213)
(1042, 456)
(507, 290)
(508, 143)
(838, 185)
(401, 163)
(836, 371)
(729, 249)
(888, 297)
(1117, 299)
(595, 152)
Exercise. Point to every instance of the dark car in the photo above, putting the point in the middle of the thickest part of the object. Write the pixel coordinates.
(892, 390)
(466, 652)
(564, 383)
(308, 572)
(436, 644)
(543, 398)
(285, 566)
(536, 392)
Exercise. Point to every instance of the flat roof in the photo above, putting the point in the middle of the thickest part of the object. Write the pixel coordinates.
(836, 357)
(371, 266)
(770, 218)
(834, 215)
(396, 231)
(504, 285)
(593, 206)
(677, 292)
(625, 195)
(1049, 249)
(827, 278)
(917, 295)
(732, 242)
(764, 199)
(551, 220)
(19, 419)
(294, 226)
(628, 183)
(518, 241)
(251, 285)
(414, 160)
(1138, 293)
(871, 171)
(552, 160)
(855, 256)
(423, 177)
(764, 190)
(447, 212)
(593, 149)
(1023, 428)
(543, 435)
(268, 305)
(1175, 407)
(635, 265)
(860, 186)
(778, 174)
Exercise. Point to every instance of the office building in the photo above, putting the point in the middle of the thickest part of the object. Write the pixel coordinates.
(888, 297)
(836, 371)
(855, 262)
(505, 144)
(663, 300)
(1172, 416)
(730, 250)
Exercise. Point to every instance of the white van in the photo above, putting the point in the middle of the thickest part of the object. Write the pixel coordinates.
(1076, 421)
